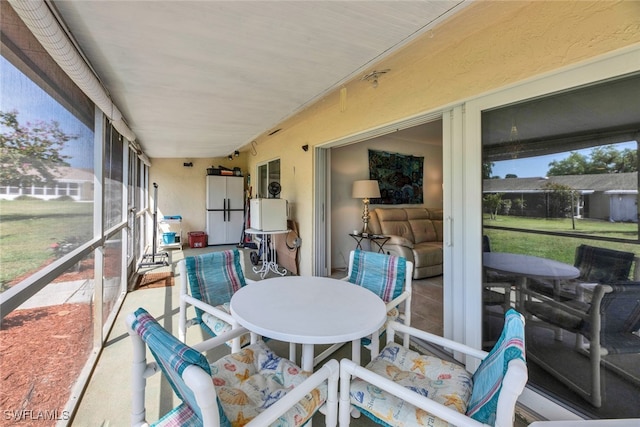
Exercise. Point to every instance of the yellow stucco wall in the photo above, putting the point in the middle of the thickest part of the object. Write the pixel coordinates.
(487, 46)
(181, 190)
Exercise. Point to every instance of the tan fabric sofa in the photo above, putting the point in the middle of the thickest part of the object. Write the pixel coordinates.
(415, 233)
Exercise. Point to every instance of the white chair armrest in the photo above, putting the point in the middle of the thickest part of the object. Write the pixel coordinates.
(219, 340)
(392, 327)
(329, 372)
(222, 315)
(398, 300)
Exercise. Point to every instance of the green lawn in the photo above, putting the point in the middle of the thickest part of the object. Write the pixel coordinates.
(560, 248)
(28, 228)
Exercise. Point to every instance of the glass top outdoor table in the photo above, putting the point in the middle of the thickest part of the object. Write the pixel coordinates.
(528, 266)
(309, 310)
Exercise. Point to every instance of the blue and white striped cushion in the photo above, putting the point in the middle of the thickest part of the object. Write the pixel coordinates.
(172, 356)
(180, 416)
(380, 273)
(487, 380)
(213, 278)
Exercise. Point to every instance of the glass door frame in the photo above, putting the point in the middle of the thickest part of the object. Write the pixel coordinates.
(462, 177)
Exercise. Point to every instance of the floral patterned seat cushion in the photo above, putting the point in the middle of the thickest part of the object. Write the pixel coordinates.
(253, 379)
(445, 382)
(219, 326)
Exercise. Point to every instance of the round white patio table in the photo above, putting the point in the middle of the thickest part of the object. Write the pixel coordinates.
(527, 266)
(309, 310)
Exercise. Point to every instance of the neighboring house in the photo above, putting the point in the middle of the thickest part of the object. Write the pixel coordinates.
(611, 197)
(73, 182)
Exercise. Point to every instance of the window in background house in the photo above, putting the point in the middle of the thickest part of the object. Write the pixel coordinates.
(561, 171)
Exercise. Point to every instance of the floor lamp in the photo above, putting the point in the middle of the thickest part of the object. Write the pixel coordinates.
(365, 190)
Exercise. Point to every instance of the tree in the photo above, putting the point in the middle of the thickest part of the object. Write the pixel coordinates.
(487, 169)
(520, 204)
(609, 160)
(605, 159)
(511, 175)
(575, 164)
(31, 153)
(506, 206)
(560, 200)
(629, 160)
(493, 202)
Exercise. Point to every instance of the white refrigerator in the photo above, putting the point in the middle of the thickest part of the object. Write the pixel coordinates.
(225, 209)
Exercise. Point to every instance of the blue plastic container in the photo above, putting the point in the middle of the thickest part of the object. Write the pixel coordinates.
(168, 238)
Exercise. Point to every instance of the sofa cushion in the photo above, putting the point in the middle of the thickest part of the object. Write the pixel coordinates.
(394, 222)
(427, 254)
(436, 214)
(421, 225)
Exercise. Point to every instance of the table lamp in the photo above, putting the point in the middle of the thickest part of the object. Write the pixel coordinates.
(365, 190)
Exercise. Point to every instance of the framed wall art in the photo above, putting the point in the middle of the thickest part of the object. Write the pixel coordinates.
(399, 176)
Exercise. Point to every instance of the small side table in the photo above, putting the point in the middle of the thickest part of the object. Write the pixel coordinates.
(269, 262)
(378, 239)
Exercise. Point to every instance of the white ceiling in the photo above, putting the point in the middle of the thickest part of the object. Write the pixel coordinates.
(200, 79)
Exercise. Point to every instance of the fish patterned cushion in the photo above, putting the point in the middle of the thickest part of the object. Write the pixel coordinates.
(219, 326)
(253, 379)
(445, 382)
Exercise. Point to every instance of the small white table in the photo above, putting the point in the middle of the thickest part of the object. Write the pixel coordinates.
(269, 262)
(308, 311)
(526, 266)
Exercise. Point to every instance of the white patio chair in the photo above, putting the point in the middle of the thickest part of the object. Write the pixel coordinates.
(253, 387)
(208, 282)
(402, 387)
(606, 324)
(389, 277)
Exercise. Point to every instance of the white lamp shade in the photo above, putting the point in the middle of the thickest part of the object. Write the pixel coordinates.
(365, 189)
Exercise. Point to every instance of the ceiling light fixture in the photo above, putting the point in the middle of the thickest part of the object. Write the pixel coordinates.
(236, 153)
(374, 75)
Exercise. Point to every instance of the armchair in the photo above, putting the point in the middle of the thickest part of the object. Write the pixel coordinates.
(596, 265)
(609, 322)
(402, 387)
(387, 276)
(207, 282)
(254, 387)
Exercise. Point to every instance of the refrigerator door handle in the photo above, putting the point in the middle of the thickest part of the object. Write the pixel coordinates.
(224, 214)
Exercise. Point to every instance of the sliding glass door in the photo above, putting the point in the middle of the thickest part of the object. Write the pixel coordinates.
(560, 183)
(558, 162)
